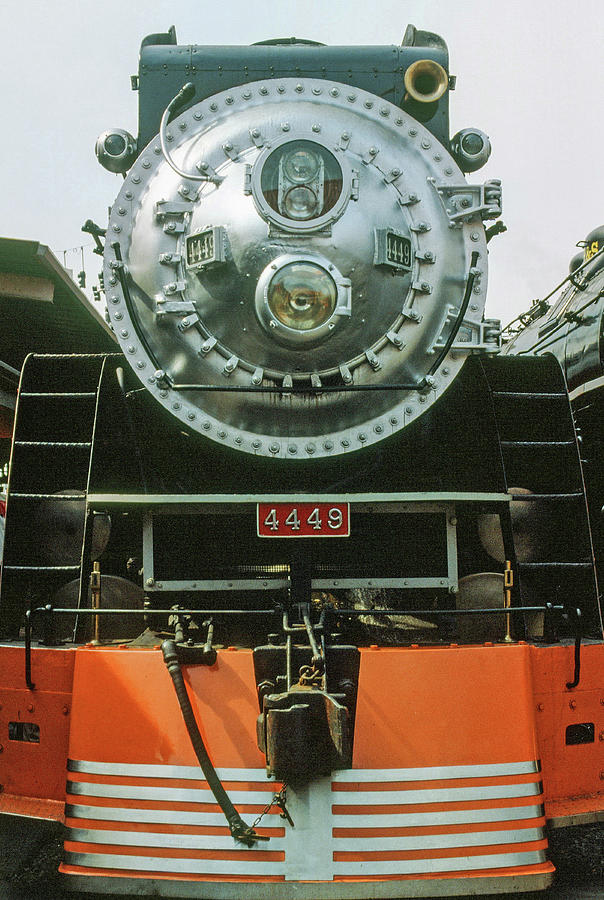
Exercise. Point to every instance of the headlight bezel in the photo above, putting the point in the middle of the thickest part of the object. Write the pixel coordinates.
(313, 223)
(294, 337)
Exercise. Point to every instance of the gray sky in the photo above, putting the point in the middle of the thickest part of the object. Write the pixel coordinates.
(530, 74)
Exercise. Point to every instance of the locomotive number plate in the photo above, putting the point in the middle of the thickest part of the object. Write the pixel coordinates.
(303, 520)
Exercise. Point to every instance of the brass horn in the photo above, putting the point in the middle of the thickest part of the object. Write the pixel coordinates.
(426, 81)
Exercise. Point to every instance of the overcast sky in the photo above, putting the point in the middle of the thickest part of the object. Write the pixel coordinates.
(529, 72)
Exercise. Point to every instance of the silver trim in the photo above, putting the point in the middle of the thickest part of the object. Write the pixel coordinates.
(251, 867)
(181, 866)
(394, 820)
(435, 795)
(164, 841)
(344, 844)
(339, 798)
(193, 773)
(167, 794)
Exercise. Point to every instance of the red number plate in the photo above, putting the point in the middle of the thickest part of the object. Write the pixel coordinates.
(290, 520)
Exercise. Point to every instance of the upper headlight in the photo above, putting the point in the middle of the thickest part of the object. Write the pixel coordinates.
(300, 185)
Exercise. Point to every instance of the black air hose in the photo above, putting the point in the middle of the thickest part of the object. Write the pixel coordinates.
(239, 830)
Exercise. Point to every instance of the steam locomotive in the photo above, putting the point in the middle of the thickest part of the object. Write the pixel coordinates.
(299, 586)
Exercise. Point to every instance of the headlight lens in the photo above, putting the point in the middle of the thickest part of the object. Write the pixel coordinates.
(300, 203)
(301, 180)
(301, 165)
(302, 296)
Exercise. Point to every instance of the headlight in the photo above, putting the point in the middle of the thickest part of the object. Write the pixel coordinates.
(299, 182)
(300, 203)
(302, 296)
(301, 165)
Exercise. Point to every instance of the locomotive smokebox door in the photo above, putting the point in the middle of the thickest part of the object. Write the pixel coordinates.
(304, 735)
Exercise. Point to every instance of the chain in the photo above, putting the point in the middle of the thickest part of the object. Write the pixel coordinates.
(277, 800)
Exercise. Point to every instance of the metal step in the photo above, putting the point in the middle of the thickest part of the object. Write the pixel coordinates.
(40, 568)
(70, 395)
(77, 444)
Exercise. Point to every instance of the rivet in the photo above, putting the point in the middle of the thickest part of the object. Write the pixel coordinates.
(437, 157)
(191, 416)
(368, 104)
(238, 440)
(408, 410)
(310, 448)
(256, 444)
(328, 445)
(222, 434)
(255, 132)
(334, 92)
(281, 89)
(477, 289)
(136, 179)
(206, 426)
(398, 121)
(345, 442)
(197, 116)
(373, 151)
(115, 299)
(445, 371)
(285, 126)
(263, 90)
(118, 316)
(351, 98)
(128, 195)
(117, 228)
(299, 88)
(384, 111)
(474, 236)
(227, 145)
(146, 163)
(426, 144)
(316, 128)
(131, 349)
(30, 707)
(572, 704)
(540, 707)
(247, 95)
(378, 429)
(65, 710)
(151, 380)
(163, 394)
(448, 170)
(157, 150)
(393, 420)
(317, 91)
(176, 406)
(274, 448)
(214, 106)
(292, 449)
(473, 307)
(183, 126)
(362, 437)
(422, 399)
(124, 333)
(229, 100)
(413, 132)
(141, 364)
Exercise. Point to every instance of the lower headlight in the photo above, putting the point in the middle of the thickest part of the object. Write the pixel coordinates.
(302, 296)
(300, 203)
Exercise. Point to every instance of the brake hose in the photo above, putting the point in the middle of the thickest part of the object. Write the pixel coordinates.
(240, 831)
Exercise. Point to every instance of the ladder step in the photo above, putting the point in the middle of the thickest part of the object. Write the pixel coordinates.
(77, 444)
(41, 568)
(537, 443)
(71, 497)
(523, 498)
(521, 395)
(555, 565)
(69, 395)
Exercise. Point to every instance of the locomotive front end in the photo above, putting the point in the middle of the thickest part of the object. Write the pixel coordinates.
(284, 244)
(274, 667)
